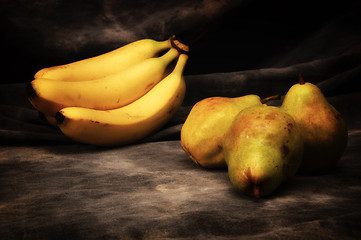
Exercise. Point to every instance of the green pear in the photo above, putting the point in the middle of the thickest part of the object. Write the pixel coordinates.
(206, 124)
(263, 148)
(323, 130)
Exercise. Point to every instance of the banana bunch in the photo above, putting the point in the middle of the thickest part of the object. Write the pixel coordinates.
(115, 98)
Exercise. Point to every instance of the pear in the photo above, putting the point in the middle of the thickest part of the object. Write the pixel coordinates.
(263, 148)
(206, 124)
(323, 130)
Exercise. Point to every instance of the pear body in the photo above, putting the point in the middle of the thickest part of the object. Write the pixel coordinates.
(323, 130)
(262, 148)
(206, 124)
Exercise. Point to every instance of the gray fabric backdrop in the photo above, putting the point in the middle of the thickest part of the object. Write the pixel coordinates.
(54, 188)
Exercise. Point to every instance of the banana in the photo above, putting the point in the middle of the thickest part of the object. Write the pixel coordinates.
(130, 123)
(47, 119)
(107, 63)
(112, 91)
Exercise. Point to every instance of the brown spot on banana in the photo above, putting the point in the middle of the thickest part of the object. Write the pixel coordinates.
(171, 110)
(149, 86)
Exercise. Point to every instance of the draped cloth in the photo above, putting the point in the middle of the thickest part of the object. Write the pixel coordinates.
(52, 187)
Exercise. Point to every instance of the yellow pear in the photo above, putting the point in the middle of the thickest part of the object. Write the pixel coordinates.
(206, 124)
(263, 148)
(324, 132)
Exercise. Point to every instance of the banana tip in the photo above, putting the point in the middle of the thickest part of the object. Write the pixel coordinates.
(30, 91)
(42, 116)
(59, 118)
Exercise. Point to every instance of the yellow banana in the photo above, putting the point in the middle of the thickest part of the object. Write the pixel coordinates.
(107, 63)
(112, 91)
(47, 119)
(132, 122)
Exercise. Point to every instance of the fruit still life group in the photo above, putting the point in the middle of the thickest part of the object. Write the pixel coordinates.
(122, 96)
(261, 145)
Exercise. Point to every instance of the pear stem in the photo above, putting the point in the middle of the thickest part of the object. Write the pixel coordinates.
(267, 99)
(301, 80)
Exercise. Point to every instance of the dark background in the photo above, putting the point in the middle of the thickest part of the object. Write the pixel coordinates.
(224, 35)
(52, 187)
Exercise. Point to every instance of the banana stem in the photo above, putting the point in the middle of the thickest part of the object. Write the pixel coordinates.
(31, 93)
(267, 99)
(181, 47)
